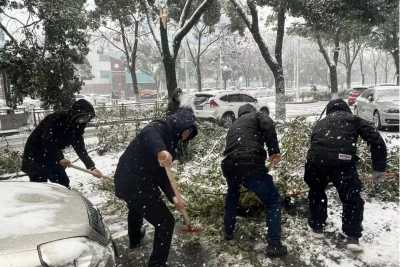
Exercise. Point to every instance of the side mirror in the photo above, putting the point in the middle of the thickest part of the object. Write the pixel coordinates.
(255, 100)
(370, 98)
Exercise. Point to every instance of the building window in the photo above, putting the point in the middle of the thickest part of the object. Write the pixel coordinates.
(105, 74)
(104, 58)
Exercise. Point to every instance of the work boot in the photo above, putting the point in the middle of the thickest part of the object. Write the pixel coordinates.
(317, 233)
(142, 234)
(228, 237)
(276, 250)
(353, 244)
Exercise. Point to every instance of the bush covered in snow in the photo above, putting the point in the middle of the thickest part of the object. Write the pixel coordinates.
(10, 161)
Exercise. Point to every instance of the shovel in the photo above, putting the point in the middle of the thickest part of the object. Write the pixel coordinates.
(300, 192)
(93, 173)
(178, 196)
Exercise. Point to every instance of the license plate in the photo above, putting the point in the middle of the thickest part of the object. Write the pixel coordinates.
(199, 107)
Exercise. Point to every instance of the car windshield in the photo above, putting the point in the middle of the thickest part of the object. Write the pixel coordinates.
(359, 90)
(388, 94)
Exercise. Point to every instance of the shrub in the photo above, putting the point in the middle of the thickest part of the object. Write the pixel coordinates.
(10, 161)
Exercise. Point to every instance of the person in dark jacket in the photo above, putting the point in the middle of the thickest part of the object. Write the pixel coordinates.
(244, 164)
(332, 157)
(140, 173)
(43, 158)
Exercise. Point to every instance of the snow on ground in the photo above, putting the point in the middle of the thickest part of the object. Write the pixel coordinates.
(380, 240)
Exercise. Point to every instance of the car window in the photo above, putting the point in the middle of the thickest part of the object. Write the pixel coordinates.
(388, 94)
(247, 98)
(359, 90)
(200, 98)
(224, 98)
(235, 98)
(366, 93)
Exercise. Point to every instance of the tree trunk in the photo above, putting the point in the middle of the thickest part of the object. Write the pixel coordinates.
(361, 67)
(274, 65)
(133, 65)
(224, 84)
(395, 55)
(168, 61)
(375, 75)
(348, 78)
(386, 75)
(334, 82)
(198, 71)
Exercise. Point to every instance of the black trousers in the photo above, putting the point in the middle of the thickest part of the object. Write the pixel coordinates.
(54, 173)
(156, 212)
(344, 177)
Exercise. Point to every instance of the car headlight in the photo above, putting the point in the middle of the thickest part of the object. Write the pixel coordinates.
(390, 110)
(76, 252)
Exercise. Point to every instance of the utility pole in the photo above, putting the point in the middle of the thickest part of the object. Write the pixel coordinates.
(297, 72)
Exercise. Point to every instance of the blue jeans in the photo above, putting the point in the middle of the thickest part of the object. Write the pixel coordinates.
(263, 187)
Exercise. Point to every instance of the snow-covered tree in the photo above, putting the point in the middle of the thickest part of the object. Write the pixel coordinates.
(117, 22)
(274, 62)
(189, 16)
(43, 50)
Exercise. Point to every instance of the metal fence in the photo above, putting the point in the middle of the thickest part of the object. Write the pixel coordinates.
(112, 113)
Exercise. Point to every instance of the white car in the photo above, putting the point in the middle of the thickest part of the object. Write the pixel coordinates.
(46, 224)
(224, 105)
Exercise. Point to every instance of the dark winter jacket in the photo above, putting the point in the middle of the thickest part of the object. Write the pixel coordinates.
(334, 138)
(138, 174)
(53, 134)
(244, 153)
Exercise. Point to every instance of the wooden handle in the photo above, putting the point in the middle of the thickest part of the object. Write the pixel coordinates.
(177, 194)
(365, 179)
(270, 166)
(93, 173)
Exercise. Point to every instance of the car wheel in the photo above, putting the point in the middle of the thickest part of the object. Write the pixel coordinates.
(377, 120)
(227, 119)
(356, 111)
(264, 110)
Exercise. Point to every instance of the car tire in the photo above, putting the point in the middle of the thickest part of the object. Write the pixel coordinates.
(377, 120)
(264, 110)
(227, 119)
(356, 111)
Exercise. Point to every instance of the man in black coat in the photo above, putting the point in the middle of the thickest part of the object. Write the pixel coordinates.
(43, 158)
(332, 157)
(140, 173)
(244, 164)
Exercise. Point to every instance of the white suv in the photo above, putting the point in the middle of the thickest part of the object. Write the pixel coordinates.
(224, 105)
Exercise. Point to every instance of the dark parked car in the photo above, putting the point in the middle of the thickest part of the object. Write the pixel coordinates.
(355, 92)
(148, 94)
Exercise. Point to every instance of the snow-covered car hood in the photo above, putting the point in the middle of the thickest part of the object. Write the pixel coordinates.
(35, 213)
(388, 103)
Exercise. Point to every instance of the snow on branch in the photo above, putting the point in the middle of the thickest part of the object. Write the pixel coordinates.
(239, 6)
(181, 32)
(184, 14)
(147, 9)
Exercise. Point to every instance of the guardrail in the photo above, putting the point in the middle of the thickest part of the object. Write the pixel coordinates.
(106, 113)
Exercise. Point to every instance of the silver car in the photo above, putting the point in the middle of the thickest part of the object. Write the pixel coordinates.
(379, 105)
(48, 225)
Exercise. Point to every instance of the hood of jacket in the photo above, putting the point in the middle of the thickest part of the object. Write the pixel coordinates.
(181, 121)
(247, 108)
(79, 108)
(337, 105)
